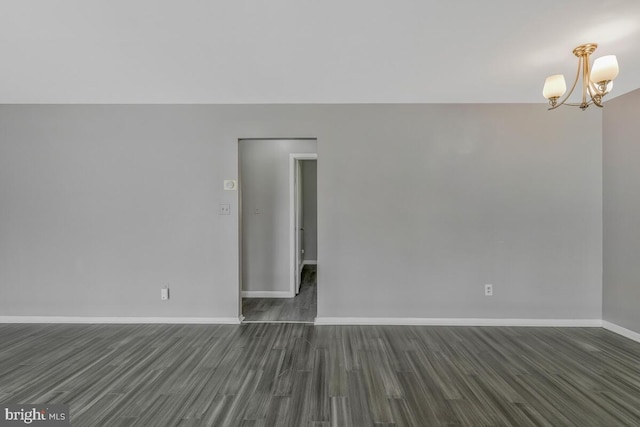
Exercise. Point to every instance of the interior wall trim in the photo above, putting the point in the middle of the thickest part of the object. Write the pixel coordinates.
(121, 320)
(590, 323)
(628, 333)
(267, 294)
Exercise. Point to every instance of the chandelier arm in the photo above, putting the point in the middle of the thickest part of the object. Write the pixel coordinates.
(585, 80)
(572, 88)
(596, 93)
(593, 98)
(596, 102)
(591, 101)
(594, 88)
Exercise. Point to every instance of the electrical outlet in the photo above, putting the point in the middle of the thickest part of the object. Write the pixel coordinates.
(224, 209)
(164, 293)
(488, 290)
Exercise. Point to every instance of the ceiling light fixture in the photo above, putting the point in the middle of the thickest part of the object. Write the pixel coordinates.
(597, 81)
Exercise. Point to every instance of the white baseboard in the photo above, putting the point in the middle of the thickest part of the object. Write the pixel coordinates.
(303, 322)
(628, 333)
(267, 294)
(310, 262)
(334, 321)
(457, 322)
(121, 320)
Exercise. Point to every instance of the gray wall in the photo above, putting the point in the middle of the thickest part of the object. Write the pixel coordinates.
(101, 206)
(621, 149)
(418, 207)
(310, 209)
(264, 166)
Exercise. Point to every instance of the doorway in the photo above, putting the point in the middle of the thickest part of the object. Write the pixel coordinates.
(278, 229)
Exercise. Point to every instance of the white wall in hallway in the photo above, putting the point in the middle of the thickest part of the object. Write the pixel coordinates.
(264, 170)
(310, 209)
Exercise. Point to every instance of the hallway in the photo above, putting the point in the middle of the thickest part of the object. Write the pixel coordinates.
(302, 308)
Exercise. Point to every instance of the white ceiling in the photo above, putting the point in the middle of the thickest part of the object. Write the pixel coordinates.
(304, 51)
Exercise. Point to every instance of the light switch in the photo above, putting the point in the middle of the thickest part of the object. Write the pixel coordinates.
(224, 209)
(229, 184)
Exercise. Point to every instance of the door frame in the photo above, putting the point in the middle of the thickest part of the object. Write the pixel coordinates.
(294, 159)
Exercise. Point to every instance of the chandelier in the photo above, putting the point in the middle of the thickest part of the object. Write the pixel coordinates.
(597, 81)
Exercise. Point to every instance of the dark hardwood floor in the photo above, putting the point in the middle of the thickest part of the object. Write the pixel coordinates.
(304, 375)
(301, 308)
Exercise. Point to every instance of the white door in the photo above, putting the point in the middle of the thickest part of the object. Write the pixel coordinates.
(296, 239)
(299, 229)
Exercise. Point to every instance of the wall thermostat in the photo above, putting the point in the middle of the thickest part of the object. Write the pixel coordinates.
(229, 184)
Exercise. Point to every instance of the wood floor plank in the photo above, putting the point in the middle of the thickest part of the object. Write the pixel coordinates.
(340, 412)
(299, 415)
(278, 411)
(260, 400)
(419, 403)
(319, 399)
(361, 414)
(337, 364)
